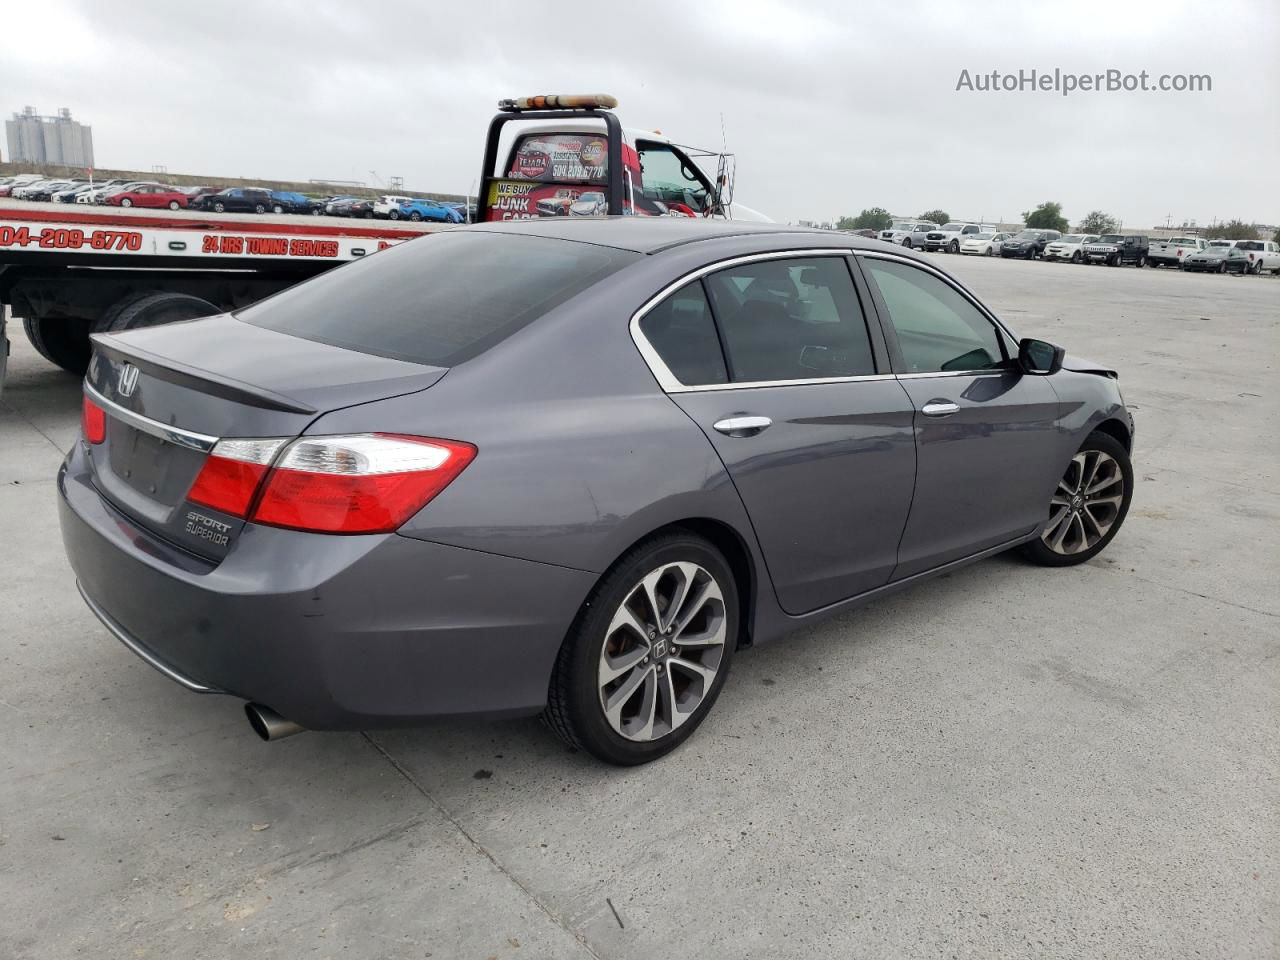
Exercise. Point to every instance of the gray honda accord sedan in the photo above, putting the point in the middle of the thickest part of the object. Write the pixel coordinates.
(566, 467)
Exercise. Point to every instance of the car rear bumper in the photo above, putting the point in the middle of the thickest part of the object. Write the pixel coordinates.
(331, 632)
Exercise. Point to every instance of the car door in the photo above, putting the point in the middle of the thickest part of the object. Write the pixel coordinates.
(987, 436)
(774, 358)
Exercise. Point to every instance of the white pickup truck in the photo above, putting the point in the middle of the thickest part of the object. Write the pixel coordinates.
(1169, 253)
(1262, 254)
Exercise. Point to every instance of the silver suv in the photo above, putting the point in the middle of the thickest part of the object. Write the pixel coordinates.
(908, 233)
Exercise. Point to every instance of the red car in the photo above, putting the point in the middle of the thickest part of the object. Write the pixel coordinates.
(150, 195)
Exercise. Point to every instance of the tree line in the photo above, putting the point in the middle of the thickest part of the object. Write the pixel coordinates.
(1048, 216)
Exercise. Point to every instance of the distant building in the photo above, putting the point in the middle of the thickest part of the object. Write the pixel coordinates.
(54, 140)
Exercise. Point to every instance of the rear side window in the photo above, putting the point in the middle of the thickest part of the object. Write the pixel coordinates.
(791, 320)
(681, 330)
(440, 299)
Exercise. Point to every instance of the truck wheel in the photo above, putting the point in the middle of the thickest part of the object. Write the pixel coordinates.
(1142, 260)
(150, 308)
(906, 242)
(954, 248)
(61, 341)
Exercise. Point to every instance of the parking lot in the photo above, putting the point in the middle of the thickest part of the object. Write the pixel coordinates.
(1007, 761)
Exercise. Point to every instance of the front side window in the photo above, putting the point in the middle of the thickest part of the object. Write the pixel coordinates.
(670, 178)
(791, 320)
(939, 330)
(681, 330)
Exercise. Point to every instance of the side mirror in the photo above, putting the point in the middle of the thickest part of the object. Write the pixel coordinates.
(1039, 357)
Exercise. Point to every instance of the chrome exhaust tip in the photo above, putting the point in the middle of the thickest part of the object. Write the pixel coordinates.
(268, 724)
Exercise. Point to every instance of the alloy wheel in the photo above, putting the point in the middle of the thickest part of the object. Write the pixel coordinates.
(1086, 503)
(662, 651)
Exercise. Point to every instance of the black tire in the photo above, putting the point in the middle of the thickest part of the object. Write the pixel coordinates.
(987, 252)
(574, 710)
(1075, 257)
(393, 215)
(259, 208)
(1039, 552)
(60, 340)
(276, 208)
(126, 202)
(173, 204)
(219, 208)
(1031, 253)
(1142, 260)
(1222, 267)
(150, 308)
(415, 216)
(953, 247)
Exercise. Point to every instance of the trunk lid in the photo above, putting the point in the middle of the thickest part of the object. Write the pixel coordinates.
(170, 392)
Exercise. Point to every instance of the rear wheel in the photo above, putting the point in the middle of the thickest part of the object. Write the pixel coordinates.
(219, 208)
(126, 202)
(60, 340)
(649, 652)
(1142, 260)
(259, 208)
(1088, 506)
(415, 216)
(150, 308)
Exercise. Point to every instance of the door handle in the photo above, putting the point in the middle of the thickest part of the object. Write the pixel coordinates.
(940, 408)
(741, 426)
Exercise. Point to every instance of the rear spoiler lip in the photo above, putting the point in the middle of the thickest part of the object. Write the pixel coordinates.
(177, 372)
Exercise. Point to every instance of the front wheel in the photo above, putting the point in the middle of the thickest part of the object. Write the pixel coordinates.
(219, 208)
(173, 204)
(1142, 260)
(954, 248)
(649, 652)
(415, 216)
(259, 208)
(1088, 506)
(126, 202)
(1075, 257)
(277, 209)
(394, 215)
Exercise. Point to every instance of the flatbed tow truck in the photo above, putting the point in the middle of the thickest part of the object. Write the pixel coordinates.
(69, 273)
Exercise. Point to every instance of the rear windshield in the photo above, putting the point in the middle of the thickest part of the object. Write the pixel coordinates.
(439, 299)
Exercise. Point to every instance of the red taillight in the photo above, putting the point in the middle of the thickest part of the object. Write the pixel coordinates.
(231, 475)
(93, 420)
(368, 483)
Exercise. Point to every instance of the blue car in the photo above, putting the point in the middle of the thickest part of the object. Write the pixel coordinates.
(429, 210)
(286, 202)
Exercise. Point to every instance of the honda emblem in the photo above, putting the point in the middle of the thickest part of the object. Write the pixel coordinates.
(128, 380)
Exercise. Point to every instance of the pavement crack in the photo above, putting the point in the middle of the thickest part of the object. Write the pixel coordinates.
(481, 848)
(1205, 596)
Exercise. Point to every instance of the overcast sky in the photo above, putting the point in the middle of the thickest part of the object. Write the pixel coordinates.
(830, 107)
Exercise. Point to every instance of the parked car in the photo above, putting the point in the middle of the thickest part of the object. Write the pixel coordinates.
(983, 244)
(429, 210)
(196, 195)
(71, 194)
(339, 206)
(590, 204)
(1218, 259)
(388, 206)
(1028, 244)
(1262, 254)
(45, 191)
(25, 190)
(149, 195)
(100, 191)
(298, 537)
(238, 199)
(1071, 247)
(362, 208)
(1116, 249)
(908, 233)
(286, 201)
(949, 236)
(1170, 253)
